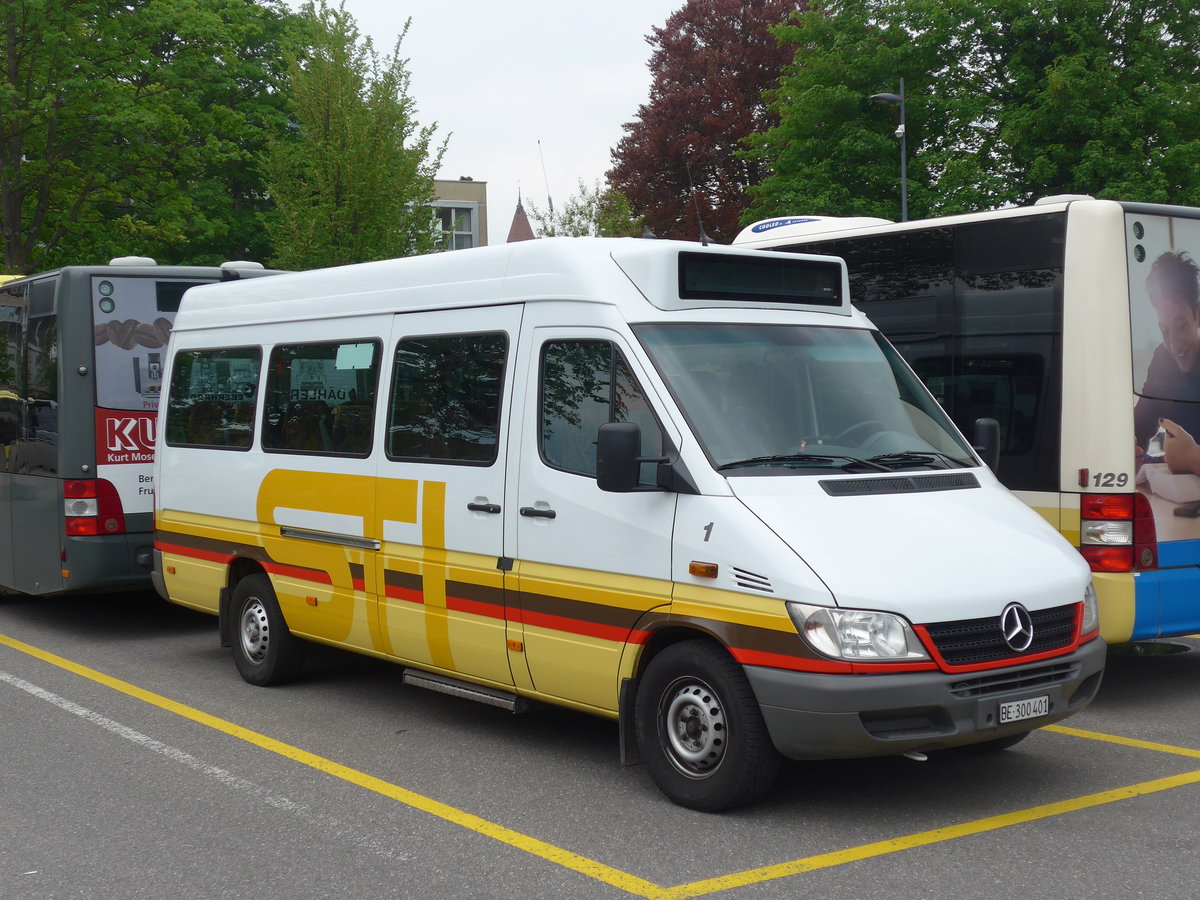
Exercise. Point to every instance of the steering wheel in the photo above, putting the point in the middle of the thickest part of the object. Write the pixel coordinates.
(843, 436)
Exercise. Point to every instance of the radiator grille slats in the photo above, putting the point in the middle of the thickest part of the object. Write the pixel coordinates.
(973, 641)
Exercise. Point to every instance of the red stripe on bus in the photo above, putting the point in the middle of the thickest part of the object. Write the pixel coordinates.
(748, 657)
(475, 607)
(570, 626)
(412, 595)
(193, 552)
(316, 576)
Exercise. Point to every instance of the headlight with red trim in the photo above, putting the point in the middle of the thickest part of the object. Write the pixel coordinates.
(860, 635)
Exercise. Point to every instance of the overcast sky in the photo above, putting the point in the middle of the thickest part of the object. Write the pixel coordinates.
(498, 77)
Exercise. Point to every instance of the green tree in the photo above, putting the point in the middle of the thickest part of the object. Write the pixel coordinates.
(592, 212)
(126, 126)
(677, 161)
(353, 179)
(1006, 102)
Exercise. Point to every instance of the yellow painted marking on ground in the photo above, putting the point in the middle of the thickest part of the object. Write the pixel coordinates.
(1123, 741)
(610, 875)
(565, 858)
(924, 838)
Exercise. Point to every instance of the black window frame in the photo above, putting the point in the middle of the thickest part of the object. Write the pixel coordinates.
(501, 381)
(169, 409)
(274, 429)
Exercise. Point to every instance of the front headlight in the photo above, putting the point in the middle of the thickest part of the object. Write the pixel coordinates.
(856, 634)
(1091, 612)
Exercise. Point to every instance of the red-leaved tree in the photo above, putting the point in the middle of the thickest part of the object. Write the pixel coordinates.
(676, 163)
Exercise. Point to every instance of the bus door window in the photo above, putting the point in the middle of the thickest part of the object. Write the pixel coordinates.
(321, 398)
(446, 398)
(586, 384)
(12, 316)
(37, 449)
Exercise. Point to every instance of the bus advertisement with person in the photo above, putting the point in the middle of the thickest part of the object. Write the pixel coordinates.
(1074, 324)
(81, 364)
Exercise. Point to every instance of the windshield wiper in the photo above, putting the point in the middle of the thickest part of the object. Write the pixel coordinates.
(785, 458)
(919, 456)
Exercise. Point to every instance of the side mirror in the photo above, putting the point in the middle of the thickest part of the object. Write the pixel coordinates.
(987, 442)
(617, 465)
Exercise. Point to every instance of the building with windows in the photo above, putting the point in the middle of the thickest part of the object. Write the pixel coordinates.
(461, 210)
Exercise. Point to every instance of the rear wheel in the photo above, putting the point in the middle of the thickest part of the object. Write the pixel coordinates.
(264, 650)
(700, 731)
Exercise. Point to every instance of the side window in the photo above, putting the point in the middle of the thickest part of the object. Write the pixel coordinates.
(12, 315)
(445, 402)
(36, 452)
(583, 385)
(212, 397)
(321, 398)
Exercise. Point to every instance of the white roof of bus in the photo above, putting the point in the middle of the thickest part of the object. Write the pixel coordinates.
(623, 272)
(785, 230)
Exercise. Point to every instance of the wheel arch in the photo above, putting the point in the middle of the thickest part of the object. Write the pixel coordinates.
(240, 568)
(662, 631)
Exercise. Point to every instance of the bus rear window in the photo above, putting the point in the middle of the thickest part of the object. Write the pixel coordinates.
(132, 317)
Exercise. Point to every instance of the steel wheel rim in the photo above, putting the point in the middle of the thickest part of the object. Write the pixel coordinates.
(255, 631)
(693, 728)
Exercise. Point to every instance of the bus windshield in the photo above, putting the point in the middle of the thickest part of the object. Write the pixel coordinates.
(801, 398)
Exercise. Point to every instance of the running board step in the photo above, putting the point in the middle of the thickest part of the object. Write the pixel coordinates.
(443, 684)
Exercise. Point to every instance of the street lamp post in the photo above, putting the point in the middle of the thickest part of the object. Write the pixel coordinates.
(898, 100)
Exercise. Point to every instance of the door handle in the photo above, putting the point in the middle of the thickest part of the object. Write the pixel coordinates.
(534, 513)
(484, 507)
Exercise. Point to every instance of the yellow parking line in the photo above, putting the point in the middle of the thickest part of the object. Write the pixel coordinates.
(1123, 741)
(923, 838)
(610, 875)
(565, 858)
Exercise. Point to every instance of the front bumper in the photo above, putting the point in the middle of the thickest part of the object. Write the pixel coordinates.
(822, 716)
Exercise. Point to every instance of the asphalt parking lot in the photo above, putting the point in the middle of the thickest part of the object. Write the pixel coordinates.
(134, 762)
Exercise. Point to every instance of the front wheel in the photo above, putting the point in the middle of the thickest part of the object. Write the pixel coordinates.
(700, 730)
(264, 650)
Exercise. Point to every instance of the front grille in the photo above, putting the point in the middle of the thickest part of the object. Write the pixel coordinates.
(1009, 680)
(974, 641)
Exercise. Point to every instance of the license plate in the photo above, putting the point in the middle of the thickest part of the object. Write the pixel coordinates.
(1030, 708)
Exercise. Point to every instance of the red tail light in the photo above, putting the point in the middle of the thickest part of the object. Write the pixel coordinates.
(92, 506)
(1116, 532)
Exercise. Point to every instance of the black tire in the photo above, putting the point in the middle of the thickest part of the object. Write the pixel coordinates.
(700, 731)
(265, 651)
(997, 744)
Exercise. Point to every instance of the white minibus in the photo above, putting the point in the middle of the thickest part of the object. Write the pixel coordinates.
(688, 488)
(1073, 323)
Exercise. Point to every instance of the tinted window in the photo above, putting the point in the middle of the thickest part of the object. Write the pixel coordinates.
(586, 384)
(445, 402)
(36, 449)
(12, 315)
(976, 310)
(212, 398)
(321, 398)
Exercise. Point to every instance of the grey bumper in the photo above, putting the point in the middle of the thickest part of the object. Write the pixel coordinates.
(156, 575)
(823, 716)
